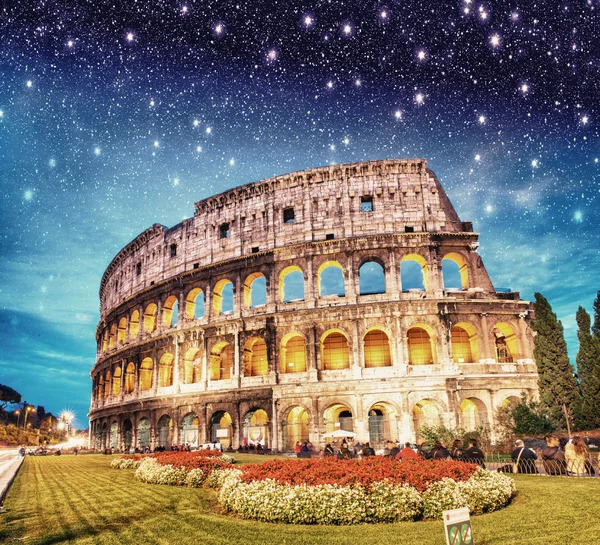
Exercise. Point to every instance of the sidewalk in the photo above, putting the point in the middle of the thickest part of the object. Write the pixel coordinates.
(10, 462)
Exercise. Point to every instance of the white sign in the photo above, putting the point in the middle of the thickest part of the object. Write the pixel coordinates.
(223, 433)
(457, 526)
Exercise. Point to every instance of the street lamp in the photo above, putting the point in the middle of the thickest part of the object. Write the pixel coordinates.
(18, 413)
(28, 410)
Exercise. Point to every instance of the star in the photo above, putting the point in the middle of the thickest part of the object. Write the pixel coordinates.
(419, 98)
(489, 208)
(357, 82)
(495, 40)
(272, 55)
(585, 120)
(346, 140)
(196, 122)
(28, 195)
(152, 103)
(199, 149)
(481, 119)
(421, 54)
(578, 216)
(52, 163)
(332, 147)
(29, 83)
(398, 114)
(534, 163)
(1, 113)
(330, 84)
(156, 143)
(70, 43)
(97, 151)
(478, 157)
(208, 130)
(175, 181)
(524, 88)
(231, 162)
(130, 37)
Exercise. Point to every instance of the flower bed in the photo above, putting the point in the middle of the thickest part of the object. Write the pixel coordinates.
(353, 491)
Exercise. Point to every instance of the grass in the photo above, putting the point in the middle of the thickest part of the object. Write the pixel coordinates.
(80, 500)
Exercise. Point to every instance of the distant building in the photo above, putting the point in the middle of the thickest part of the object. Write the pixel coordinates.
(347, 297)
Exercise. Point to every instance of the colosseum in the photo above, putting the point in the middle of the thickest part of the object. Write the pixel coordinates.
(349, 297)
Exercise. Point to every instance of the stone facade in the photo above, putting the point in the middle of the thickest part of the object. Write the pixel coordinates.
(298, 305)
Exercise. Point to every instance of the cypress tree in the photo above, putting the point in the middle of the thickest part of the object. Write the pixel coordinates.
(596, 325)
(556, 380)
(588, 370)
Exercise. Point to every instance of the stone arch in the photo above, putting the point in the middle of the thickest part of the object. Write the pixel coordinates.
(331, 279)
(134, 324)
(190, 429)
(504, 339)
(192, 366)
(165, 431)
(100, 392)
(335, 351)
(473, 413)
(291, 284)
(105, 340)
(116, 384)
(421, 345)
(112, 335)
(221, 428)
(414, 274)
(426, 413)
(293, 353)
(127, 434)
(255, 290)
(456, 276)
(146, 370)
(194, 304)
(295, 427)
(114, 435)
(122, 331)
(510, 400)
(338, 416)
(256, 428)
(143, 433)
(256, 362)
(170, 311)
(165, 370)
(383, 423)
(107, 383)
(221, 361)
(376, 347)
(130, 378)
(464, 339)
(150, 318)
(223, 297)
(371, 277)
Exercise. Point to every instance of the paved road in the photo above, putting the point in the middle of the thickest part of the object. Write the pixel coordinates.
(10, 461)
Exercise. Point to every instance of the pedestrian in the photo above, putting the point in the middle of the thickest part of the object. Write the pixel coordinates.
(523, 458)
(577, 457)
(553, 458)
(474, 454)
(438, 452)
(456, 451)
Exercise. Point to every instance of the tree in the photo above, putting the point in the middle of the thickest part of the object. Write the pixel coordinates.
(556, 380)
(596, 325)
(8, 396)
(588, 371)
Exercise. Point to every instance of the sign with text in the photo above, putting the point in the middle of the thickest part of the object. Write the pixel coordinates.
(457, 525)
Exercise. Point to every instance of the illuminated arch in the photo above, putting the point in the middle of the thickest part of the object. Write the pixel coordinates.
(192, 366)
(255, 290)
(221, 361)
(473, 413)
(100, 392)
(371, 278)
(150, 318)
(105, 340)
(221, 428)
(377, 348)
(383, 423)
(107, 384)
(134, 325)
(127, 434)
(421, 347)
(504, 339)
(190, 427)
(194, 304)
(112, 335)
(165, 370)
(223, 297)
(146, 368)
(338, 417)
(461, 269)
(335, 353)
(256, 428)
(465, 343)
(116, 385)
(293, 353)
(426, 413)
(414, 274)
(331, 279)
(130, 378)
(122, 331)
(255, 357)
(295, 427)
(170, 310)
(291, 284)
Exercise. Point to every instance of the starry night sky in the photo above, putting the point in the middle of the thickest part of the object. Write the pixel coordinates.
(113, 118)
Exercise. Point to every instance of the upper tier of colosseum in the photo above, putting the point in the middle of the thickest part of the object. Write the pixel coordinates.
(293, 209)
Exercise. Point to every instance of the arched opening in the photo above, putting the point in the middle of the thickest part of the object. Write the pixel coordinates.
(194, 304)
(255, 290)
(192, 366)
(190, 425)
(221, 429)
(334, 351)
(150, 318)
(116, 385)
(255, 357)
(223, 298)
(291, 284)
(383, 425)
(146, 374)
(426, 413)
(377, 349)
(130, 378)
(105, 340)
(371, 278)
(338, 417)
(107, 384)
(127, 434)
(170, 312)
(473, 414)
(420, 346)
(465, 346)
(134, 325)
(293, 354)
(122, 331)
(165, 370)
(165, 431)
(221, 361)
(505, 343)
(295, 428)
(143, 433)
(112, 335)
(331, 280)
(455, 272)
(413, 273)
(114, 436)
(256, 428)
(100, 393)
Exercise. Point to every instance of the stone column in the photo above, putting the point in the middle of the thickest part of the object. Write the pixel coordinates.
(487, 352)
(176, 363)
(236, 378)
(393, 284)
(274, 426)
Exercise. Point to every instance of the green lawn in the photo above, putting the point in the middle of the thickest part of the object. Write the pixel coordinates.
(79, 499)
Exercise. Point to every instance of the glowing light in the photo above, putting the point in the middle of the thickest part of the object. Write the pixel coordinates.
(1, 113)
(495, 40)
(489, 208)
(346, 140)
(28, 195)
(347, 29)
(152, 103)
(383, 14)
(514, 16)
(421, 54)
(272, 55)
(175, 181)
(231, 162)
(184, 9)
(398, 115)
(130, 37)
(524, 88)
(156, 143)
(578, 216)
(585, 120)
(199, 149)
(482, 119)
(29, 83)
(70, 43)
(208, 130)
(52, 163)
(332, 147)
(308, 21)
(478, 157)
(330, 84)
(196, 122)
(357, 82)
(97, 151)
(419, 98)
(218, 29)
(534, 163)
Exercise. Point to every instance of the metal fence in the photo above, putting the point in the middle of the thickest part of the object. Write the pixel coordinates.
(584, 467)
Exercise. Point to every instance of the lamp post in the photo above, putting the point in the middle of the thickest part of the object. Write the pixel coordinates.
(28, 410)
(18, 413)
